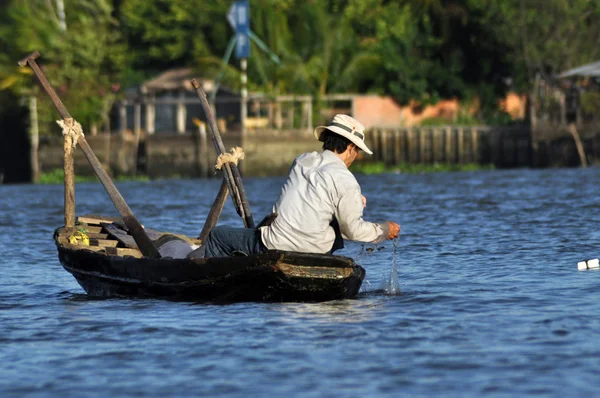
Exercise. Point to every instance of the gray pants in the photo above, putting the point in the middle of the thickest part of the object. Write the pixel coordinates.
(224, 241)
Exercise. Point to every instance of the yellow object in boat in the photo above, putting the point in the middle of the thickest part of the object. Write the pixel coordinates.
(79, 238)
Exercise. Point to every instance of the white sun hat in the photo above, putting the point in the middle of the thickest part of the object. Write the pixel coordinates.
(347, 127)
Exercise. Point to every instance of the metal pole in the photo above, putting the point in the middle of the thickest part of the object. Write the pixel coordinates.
(244, 103)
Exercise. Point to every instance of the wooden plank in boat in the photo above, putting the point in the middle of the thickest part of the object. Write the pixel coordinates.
(96, 236)
(64, 241)
(104, 242)
(122, 252)
(96, 219)
(86, 229)
(85, 247)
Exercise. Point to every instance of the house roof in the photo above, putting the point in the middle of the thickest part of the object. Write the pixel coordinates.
(591, 70)
(175, 79)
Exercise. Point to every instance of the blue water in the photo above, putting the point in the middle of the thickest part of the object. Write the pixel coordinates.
(490, 302)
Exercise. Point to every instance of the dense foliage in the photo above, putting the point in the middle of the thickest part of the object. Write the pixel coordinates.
(410, 49)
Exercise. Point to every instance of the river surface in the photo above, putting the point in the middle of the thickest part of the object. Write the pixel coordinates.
(490, 300)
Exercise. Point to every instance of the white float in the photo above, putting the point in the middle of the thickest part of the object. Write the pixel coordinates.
(588, 264)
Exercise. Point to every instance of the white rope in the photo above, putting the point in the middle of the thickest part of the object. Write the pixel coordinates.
(72, 128)
(236, 155)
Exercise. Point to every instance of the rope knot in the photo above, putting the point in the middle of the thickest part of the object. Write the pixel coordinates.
(236, 155)
(72, 128)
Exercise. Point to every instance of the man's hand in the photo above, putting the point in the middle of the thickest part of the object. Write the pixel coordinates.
(394, 230)
(364, 200)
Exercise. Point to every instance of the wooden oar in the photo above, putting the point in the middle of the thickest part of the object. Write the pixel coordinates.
(135, 228)
(231, 171)
(215, 211)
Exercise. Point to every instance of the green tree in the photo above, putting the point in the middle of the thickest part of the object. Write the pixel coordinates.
(84, 63)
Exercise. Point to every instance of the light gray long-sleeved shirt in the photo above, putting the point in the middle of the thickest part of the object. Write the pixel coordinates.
(319, 187)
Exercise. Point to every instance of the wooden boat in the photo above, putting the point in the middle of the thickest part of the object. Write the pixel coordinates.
(105, 266)
(107, 261)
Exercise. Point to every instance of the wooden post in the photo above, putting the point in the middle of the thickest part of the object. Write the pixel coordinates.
(410, 145)
(34, 137)
(270, 114)
(578, 144)
(475, 145)
(376, 149)
(69, 170)
(181, 113)
(123, 116)
(291, 112)
(448, 145)
(435, 144)
(421, 132)
(150, 115)
(137, 131)
(404, 145)
(460, 143)
(396, 140)
(278, 117)
(385, 147)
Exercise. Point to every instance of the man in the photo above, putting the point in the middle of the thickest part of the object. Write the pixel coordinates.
(320, 200)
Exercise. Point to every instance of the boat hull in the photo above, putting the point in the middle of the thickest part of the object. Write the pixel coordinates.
(269, 276)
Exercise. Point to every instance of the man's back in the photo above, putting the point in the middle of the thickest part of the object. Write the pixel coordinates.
(309, 199)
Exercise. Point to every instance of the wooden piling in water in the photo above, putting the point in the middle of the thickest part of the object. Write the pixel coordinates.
(384, 147)
(404, 145)
(435, 143)
(460, 143)
(410, 145)
(474, 145)
(446, 145)
(396, 142)
(421, 134)
(376, 149)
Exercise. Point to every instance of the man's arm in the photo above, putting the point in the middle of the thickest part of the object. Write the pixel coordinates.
(349, 211)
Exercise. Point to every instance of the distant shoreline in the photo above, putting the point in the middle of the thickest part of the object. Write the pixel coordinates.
(379, 168)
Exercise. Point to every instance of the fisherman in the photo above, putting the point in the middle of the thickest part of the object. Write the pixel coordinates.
(320, 203)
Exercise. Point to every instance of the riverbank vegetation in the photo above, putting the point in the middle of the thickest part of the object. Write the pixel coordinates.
(57, 176)
(412, 50)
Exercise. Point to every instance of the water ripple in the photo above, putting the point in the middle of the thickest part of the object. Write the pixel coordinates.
(489, 299)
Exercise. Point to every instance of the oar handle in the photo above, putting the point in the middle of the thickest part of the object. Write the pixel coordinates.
(30, 59)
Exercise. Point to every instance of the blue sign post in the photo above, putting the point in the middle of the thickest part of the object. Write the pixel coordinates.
(239, 19)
